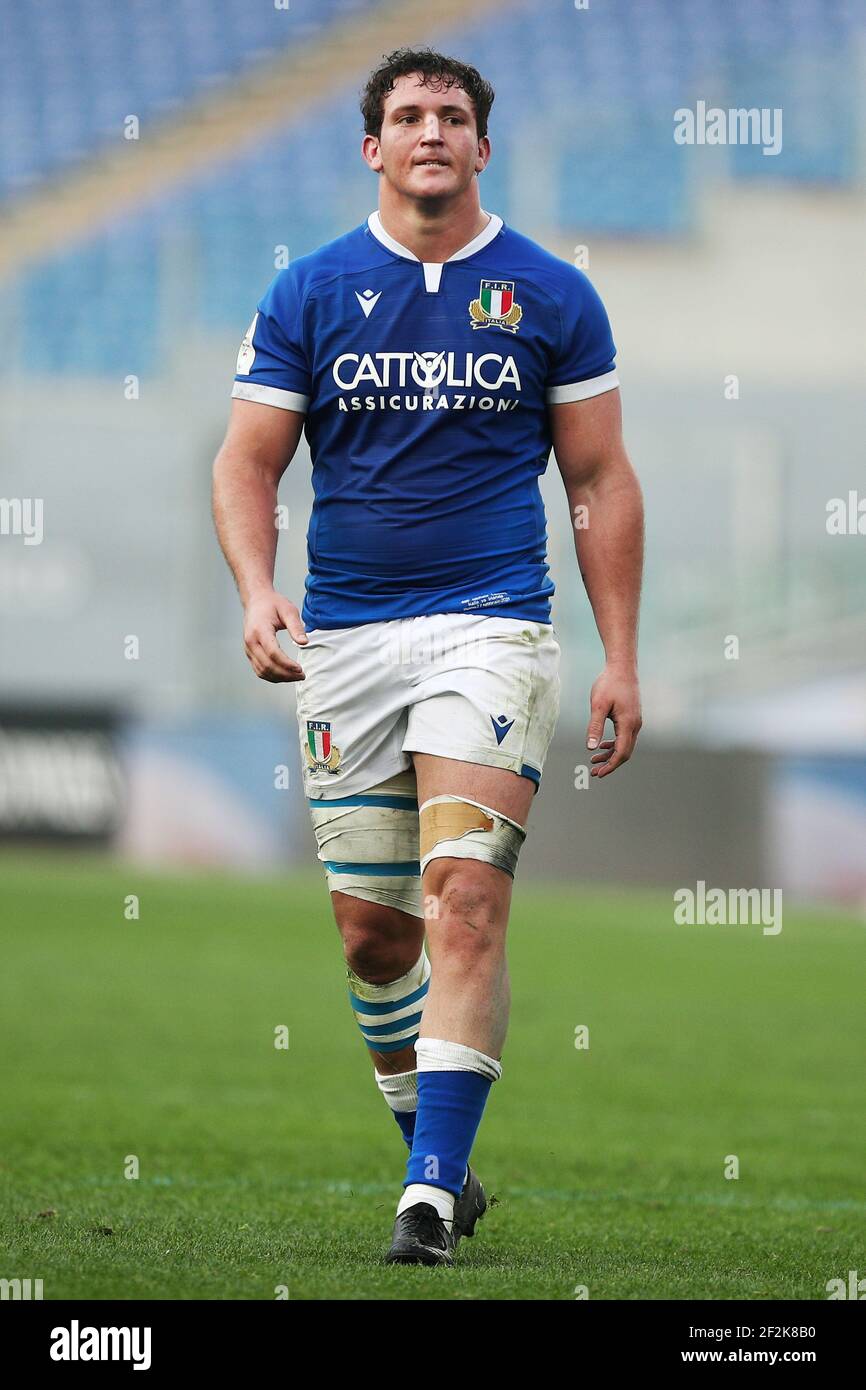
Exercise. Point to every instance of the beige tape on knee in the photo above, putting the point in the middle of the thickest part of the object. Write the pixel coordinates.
(455, 827)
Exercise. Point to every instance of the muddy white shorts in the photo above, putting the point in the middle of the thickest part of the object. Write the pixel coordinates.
(461, 685)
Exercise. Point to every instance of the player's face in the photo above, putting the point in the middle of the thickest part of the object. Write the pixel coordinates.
(429, 146)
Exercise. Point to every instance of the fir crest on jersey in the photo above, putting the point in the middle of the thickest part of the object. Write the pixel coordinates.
(496, 306)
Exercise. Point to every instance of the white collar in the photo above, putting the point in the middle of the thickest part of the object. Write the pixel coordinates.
(493, 228)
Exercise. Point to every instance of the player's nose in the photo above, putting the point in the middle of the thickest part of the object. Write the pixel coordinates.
(431, 129)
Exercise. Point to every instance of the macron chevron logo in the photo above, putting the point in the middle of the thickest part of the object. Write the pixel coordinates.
(500, 726)
(368, 301)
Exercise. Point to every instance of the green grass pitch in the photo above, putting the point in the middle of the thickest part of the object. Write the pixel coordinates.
(262, 1168)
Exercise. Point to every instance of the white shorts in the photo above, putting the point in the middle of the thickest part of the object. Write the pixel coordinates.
(461, 685)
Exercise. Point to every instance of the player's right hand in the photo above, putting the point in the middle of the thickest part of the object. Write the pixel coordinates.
(266, 614)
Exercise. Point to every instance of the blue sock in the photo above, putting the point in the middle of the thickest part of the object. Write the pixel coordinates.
(406, 1121)
(450, 1106)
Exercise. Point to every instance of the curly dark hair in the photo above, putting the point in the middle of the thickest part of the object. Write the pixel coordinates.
(435, 68)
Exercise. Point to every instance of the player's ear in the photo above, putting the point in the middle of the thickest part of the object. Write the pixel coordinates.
(370, 152)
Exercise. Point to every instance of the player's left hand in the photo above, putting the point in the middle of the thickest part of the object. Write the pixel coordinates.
(615, 696)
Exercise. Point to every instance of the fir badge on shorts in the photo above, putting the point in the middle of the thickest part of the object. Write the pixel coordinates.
(320, 753)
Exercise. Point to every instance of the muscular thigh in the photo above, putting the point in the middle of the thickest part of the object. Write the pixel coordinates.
(495, 787)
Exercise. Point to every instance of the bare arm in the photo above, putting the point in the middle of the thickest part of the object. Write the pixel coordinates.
(259, 446)
(606, 508)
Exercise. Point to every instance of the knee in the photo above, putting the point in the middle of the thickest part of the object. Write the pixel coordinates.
(471, 902)
(380, 943)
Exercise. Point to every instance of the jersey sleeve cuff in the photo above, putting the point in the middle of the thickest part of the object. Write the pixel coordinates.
(581, 390)
(270, 395)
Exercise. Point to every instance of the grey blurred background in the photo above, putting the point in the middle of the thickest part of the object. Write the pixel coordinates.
(161, 158)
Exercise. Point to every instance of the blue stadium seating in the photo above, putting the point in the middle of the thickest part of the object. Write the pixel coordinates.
(70, 73)
(594, 90)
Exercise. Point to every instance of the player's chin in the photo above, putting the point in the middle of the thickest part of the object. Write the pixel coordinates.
(444, 192)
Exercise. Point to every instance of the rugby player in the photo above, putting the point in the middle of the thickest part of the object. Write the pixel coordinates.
(433, 356)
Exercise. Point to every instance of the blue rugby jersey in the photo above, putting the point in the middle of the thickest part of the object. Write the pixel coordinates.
(425, 388)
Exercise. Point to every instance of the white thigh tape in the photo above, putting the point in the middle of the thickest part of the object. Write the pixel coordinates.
(400, 892)
(368, 844)
(455, 827)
